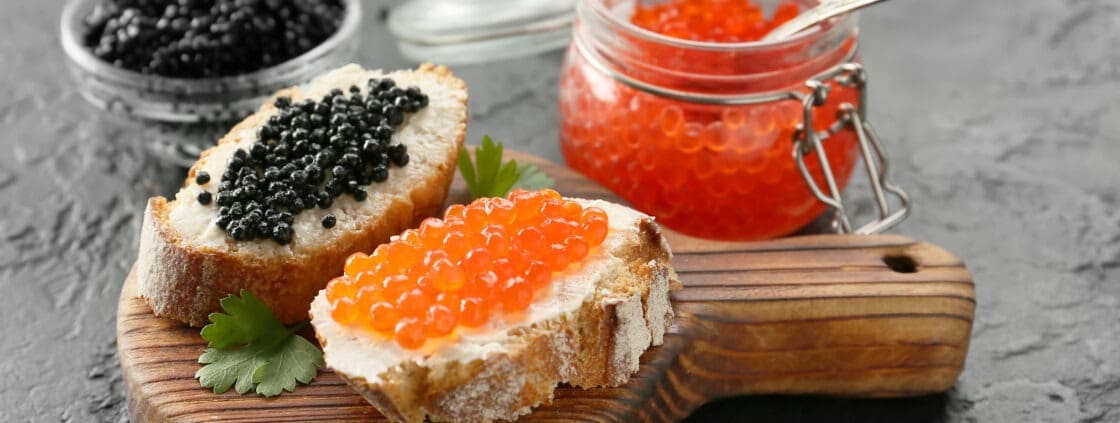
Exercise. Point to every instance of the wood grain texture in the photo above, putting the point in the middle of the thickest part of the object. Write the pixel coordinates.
(846, 315)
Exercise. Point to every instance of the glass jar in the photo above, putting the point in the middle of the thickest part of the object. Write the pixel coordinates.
(701, 134)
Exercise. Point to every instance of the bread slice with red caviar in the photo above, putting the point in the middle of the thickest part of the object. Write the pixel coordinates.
(187, 263)
(587, 326)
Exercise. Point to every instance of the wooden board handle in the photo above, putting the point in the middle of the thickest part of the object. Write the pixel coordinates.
(882, 316)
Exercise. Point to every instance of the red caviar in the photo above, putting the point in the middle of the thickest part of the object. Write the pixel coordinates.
(487, 256)
(711, 170)
(721, 21)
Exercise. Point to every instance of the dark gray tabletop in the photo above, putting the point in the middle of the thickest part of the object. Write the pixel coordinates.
(1002, 118)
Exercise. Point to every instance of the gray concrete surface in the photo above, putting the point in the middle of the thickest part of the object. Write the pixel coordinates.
(1002, 118)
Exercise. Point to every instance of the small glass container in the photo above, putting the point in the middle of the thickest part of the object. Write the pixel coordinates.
(701, 134)
(476, 31)
(183, 100)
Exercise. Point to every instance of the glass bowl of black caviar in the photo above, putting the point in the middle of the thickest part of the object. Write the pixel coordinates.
(194, 61)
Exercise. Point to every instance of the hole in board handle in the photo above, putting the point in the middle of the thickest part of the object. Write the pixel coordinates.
(901, 263)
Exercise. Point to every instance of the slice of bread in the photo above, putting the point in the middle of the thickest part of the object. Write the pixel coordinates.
(587, 328)
(187, 263)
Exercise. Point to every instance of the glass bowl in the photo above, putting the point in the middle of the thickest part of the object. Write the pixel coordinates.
(480, 31)
(184, 100)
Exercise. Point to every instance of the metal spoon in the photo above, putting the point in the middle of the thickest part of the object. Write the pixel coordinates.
(824, 11)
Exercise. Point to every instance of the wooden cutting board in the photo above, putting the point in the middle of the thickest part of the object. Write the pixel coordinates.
(844, 315)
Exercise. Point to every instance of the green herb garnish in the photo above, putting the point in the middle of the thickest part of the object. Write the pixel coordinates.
(488, 176)
(533, 178)
(250, 349)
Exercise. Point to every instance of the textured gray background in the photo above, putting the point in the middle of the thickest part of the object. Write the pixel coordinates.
(1002, 118)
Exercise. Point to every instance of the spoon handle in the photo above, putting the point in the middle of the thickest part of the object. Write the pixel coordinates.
(824, 11)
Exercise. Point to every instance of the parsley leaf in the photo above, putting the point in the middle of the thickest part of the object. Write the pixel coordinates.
(533, 178)
(488, 176)
(250, 349)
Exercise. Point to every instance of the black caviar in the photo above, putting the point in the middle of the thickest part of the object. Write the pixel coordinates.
(207, 38)
(311, 152)
(202, 177)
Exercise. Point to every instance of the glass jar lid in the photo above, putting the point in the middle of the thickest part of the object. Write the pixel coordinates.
(475, 31)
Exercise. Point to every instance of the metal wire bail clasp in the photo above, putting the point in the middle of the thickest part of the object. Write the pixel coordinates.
(808, 141)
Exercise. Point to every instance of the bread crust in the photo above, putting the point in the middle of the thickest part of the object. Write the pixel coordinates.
(185, 281)
(597, 345)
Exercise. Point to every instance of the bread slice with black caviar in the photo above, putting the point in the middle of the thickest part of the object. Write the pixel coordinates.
(187, 263)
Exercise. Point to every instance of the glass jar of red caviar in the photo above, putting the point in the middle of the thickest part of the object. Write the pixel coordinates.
(701, 134)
